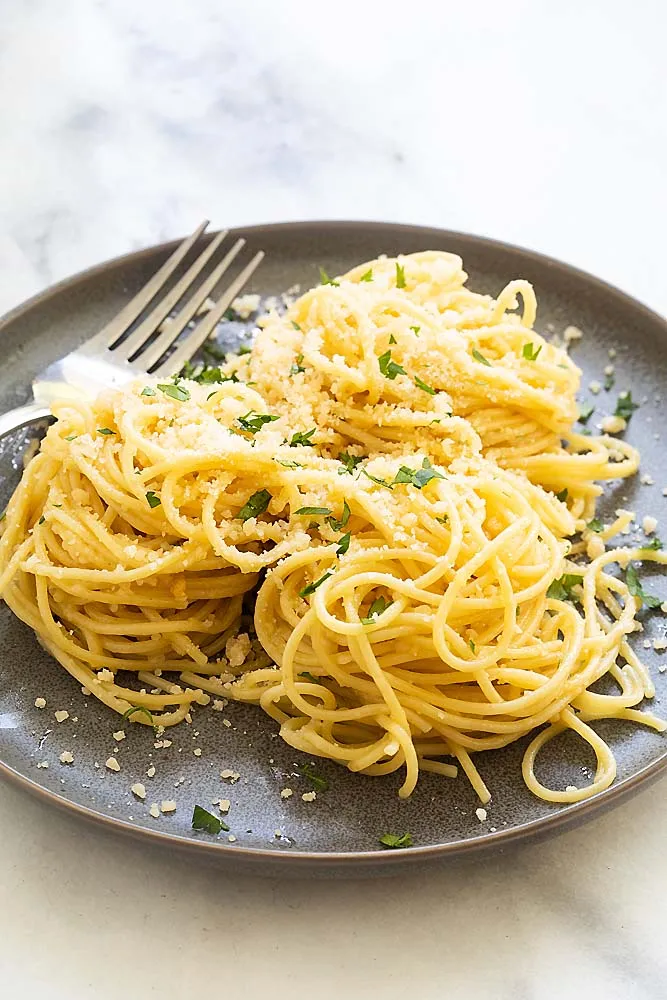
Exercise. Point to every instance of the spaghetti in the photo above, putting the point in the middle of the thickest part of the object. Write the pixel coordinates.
(397, 456)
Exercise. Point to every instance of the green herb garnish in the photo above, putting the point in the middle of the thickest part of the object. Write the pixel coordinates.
(609, 381)
(635, 588)
(343, 544)
(595, 524)
(562, 496)
(625, 406)
(374, 479)
(254, 506)
(585, 414)
(147, 391)
(349, 462)
(288, 465)
(314, 510)
(245, 349)
(105, 430)
(394, 840)
(202, 819)
(653, 546)
(312, 587)
(561, 589)
(175, 391)
(307, 674)
(70, 437)
(418, 477)
(400, 276)
(41, 520)
(390, 369)
(297, 327)
(345, 517)
(472, 646)
(378, 607)
(297, 366)
(530, 353)
(415, 330)
(480, 357)
(392, 338)
(302, 438)
(153, 499)
(319, 783)
(253, 422)
(140, 708)
(368, 275)
(326, 280)
(422, 385)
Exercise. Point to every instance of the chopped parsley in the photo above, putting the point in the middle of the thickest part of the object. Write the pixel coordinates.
(105, 430)
(422, 385)
(418, 477)
(348, 462)
(297, 327)
(472, 645)
(319, 783)
(609, 381)
(444, 519)
(343, 544)
(288, 465)
(380, 482)
(378, 607)
(253, 422)
(625, 406)
(390, 369)
(400, 275)
(312, 587)
(297, 366)
(562, 496)
(211, 374)
(202, 819)
(392, 338)
(153, 499)
(415, 330)
(653, 546)
(480, 357)
(394, 840)
(213, 352)
(41, 520)
(314, 510)
(138, 708)
(636, 589)
(595, 525)
(529, 352)
(368, 275)
(585, 414)
(302, 438)
(175, 391)
(244, 349)
(561, 589)
(147, 391)
(307, 674)
(70, 437)
(345, 517)
(254, 505)
(326, 280)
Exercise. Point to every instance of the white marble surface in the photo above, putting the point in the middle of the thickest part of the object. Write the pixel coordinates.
(123, 123)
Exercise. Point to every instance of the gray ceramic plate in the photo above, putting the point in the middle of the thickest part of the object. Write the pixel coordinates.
(338, 831)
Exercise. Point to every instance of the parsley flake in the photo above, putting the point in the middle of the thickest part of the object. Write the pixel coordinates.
(343, 544)
(202, 819)
(297, 327)
(312, 587)
(153, 499)
(253, 422)
(418, 477)
(392, 338)
(288, 465)
(426, 388)
(562, 496)
(561, 589)
(625, 406)
(378, 607)
(147, 391)
(609, 381)
(345, 517)
(390, 369)
(326, 280)
(654, 545)
(348, 462)
(368, 275)
(175, 391)
(319, 783)
(595, 525)
(105, 430)
(254, 505)
(415, 330)
(302, 438)
(396, 840)
(297, 366)
(529, 352)
(380, 482)
(585, 414)
(314, 510)
(636, 589)
(400, 275)
(139, 708)
(480, 357)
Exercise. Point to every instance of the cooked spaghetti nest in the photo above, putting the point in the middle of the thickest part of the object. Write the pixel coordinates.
(393, 471)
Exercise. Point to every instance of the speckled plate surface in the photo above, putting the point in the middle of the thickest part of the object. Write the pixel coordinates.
(338, 832)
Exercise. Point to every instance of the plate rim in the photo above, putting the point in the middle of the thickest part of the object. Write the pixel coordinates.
(485, 842)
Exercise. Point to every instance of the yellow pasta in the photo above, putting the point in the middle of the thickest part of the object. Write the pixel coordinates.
(393, 473)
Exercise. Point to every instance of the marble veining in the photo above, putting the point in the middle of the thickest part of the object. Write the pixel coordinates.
(121, 125)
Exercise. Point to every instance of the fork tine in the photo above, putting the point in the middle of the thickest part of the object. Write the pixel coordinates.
(154, 351)
(119, 324)
(132, 345)
(196, 338)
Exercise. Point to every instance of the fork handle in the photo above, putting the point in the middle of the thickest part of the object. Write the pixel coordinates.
(22, 415)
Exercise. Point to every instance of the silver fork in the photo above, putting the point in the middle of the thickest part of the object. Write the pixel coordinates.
(107, 360)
